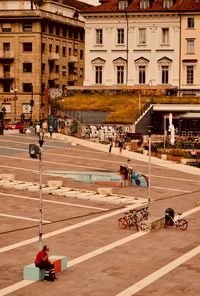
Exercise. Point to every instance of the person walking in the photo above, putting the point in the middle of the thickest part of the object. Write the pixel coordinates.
(44, 127)
(42, 261)
(37, 128)
(50, 130)
(120, 145)
(129, 169)
(110, 146)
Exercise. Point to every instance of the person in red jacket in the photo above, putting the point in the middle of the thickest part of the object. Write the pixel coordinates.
(42, 261)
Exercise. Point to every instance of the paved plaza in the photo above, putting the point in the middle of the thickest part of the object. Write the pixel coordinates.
(103, 260)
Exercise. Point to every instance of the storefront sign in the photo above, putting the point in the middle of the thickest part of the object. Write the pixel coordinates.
(8, 98)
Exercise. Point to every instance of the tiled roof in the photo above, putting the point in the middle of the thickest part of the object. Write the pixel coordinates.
(76, 4)
(155, 5)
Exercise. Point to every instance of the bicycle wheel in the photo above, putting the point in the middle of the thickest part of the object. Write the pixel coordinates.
(122, 223)
(182, 224)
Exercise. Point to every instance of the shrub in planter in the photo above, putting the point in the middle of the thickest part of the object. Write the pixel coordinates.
(154, 148)
(187, 154)
(177, 153)
(195, 164)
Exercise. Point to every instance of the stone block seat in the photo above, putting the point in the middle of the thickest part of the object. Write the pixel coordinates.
(154, 223)
(31, 272)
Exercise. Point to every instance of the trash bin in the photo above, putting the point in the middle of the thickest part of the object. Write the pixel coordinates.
(169, 213)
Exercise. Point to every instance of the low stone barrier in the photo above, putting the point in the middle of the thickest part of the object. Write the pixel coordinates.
(163, 156)
(105, 191)
(7, 177)
(54, 184)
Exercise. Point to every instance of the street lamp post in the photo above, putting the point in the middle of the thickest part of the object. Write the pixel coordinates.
(35, 151)
(165, 131)
(149, 171)
(14, 91)
(41, 142)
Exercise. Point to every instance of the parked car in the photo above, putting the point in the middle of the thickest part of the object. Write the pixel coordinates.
(11, 126)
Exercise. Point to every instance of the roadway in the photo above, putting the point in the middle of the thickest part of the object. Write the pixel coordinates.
(103, 260)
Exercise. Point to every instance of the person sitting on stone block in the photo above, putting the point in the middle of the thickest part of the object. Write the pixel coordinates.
(42, 261)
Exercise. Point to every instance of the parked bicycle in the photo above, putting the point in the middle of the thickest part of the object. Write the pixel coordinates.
(133, 218)
(179, 223)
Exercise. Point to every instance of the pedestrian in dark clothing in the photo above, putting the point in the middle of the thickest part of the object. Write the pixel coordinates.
(51, 130)
(129, 169)
(110, 146)
(120, 145)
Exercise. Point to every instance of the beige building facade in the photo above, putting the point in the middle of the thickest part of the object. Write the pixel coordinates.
(41, 52)
(190, 53)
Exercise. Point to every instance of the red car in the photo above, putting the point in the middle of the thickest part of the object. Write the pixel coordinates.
(17, 125)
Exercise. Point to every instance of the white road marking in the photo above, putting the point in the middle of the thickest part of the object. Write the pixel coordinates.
(23, 218)
(68, 156)
(174, 178)
(105, 248)
(132, 290)
(55, 202)
(66, 229)
(78, 260)
(137, 286)
(192, 211)
(51, 162)
(18, 168)
(15, 287)
(172, 189)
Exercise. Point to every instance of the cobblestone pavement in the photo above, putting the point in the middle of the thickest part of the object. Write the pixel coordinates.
(103, 260)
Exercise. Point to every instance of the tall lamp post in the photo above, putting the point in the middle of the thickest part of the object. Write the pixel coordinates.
(149, 171)
(35, 151)
(41, 142)
(14, 91)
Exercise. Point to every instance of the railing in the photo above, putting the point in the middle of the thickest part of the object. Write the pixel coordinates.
(6, 74)
(142, 110)
(72, 59)
(54, 76)
(53, 56)
(6, 54)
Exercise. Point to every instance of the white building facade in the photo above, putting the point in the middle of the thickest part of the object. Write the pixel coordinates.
(132, 49)
(143, 43)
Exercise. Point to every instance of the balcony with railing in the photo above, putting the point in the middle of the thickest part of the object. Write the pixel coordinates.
(6, 75)
(6, 54)
(72, 59)
(53, 56)
(54, 76)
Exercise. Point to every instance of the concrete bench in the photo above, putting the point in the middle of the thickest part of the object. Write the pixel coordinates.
(31, 272)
